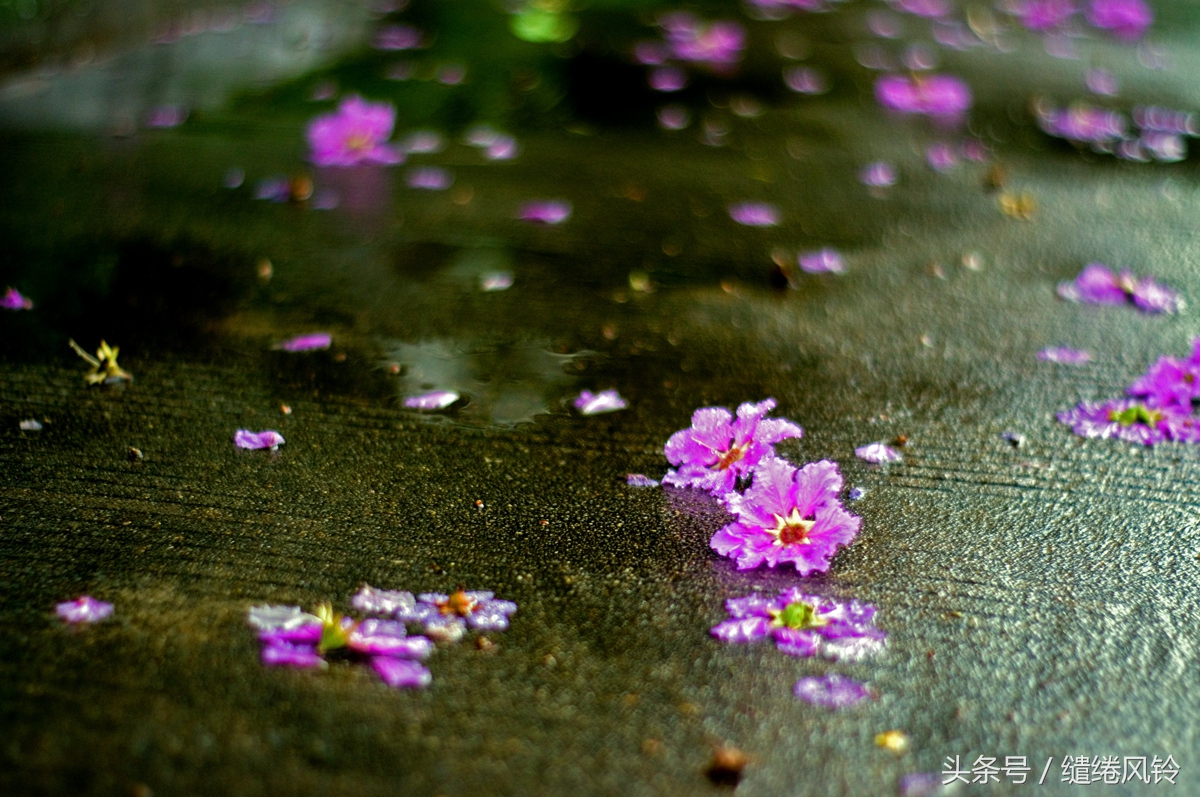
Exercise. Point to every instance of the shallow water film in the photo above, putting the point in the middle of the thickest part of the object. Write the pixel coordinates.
(625, 397)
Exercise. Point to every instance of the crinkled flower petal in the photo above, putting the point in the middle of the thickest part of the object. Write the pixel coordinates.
(285, 654)
(831, 691)
(85, 609)
(640, 480)
(379, 601)
(286, 617)
(749, 629)
(589, 403)
(402, 673)
(434, 400)
(244, 438)
(878, 453)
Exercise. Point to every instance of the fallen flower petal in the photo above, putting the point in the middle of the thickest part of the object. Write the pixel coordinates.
(268, 617)
(822, 261)
(495, 281)
(803, 625)
(13, 300)
(379, 601)
(289, 655)
(545, 212)
(878, 453)
(310, 342)
(396, 37)
(435, 400)
(1130, 420)
(356, 133)
(443, 616)
(1064, 355)
(640, 480)
(1097, 284)
(755, 214)
(84, 610)
(402, 673)
(429, 178)
(589, 403)
(831, 691)
(30, 425)
(942, 97)
(244, 438)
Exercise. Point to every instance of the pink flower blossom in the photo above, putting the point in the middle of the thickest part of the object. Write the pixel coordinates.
(84, 610)
(822, 261)
(755, 214)
(803, 625)
(941, 157)
(787, 516)
(1097, 284)
(878, 453)
(831, 691)
(355, 133)
(1170, 381)
(1131, 420)
(551, 211)
(717, 45)
(310, 342)
(589, 403)
(13, 300)
(1125, 19)
(244, 438)
(1082, 123)
(717, 450)
(942, 97)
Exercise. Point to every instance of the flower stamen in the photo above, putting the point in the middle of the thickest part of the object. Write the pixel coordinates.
(793, 529)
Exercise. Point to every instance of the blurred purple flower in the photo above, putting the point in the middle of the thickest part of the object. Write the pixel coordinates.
(446, 617)
(1064, 355)
(430, 178)
(165, 116)
(276, 189)
(1101, 81)
(1043, 15)
(651, 53)
(244, 438)
(755, 214)
(941, 157)
(1082, 123)
(549, 211)
(831, 691)
(1169, 382)
(402, 674)
(589, 403)
(942, 97)
(932, 9)
(1165, 120)
(787, 516)
(717, 450)
(504, 148)
(879, 174)
(1125, 19)
(667, 78)
(434, 400)
(396, 37)
(805, 80)
(920, 57)
(822, 261)
(803, 625)
(85, 609)
(355, 133)
(640, 480)
(452, 75)
(1130, 420)
(717, 45)
(878, 453)
(310, 342)
(13, 300)
(1163, 147)
(1097, 284)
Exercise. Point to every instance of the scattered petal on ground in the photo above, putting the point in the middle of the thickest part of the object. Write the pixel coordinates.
(1064, 355)
(831, 691)
(755, 214)
(545, 212)
(640, 480)
(244, 438)
(84, 610)
(589, 403)
(435, 400)
(13, 300)
(878, 453)
(309, 342)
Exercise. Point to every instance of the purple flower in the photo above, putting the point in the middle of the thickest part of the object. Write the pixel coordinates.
(356, 133)
(1170, 381)
(13, 300)
(717, 45)
(942, 97)
(803, 625)
(446, 617)
(396, 37)
(717, 449)
(269, 438)
(84, 610)
(1165, 120)
(805, 80)
(1064, 355)
(589, 403)
(435, 400)
(310, 342)
(755, 214)
(640, 480)
(430, 178)
(941, 157)
(1082, 123)
(1097, 284)
(822, 261)
(1125, 19)
(787, 515)
(832, 691)
(504, 148)
(1131, 420)
(879, 174)
(1042, 15)
(878, 453)
(545, 211)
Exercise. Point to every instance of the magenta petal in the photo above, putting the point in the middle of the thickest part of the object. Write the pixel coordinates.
(244, 438)
(356, 133)
(749, 629)
(288, 655)
(310, 342)
(755, 214)
(85, 609)
(589, 403)
(13, 300)
(402, 673)
(822, 261)
(435, 400)
(831, 691)
(801, 644)
(545, 212)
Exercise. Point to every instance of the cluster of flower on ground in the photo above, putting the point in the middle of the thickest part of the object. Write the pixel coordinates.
(294, 638)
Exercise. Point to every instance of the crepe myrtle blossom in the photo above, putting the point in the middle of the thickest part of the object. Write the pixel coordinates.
(1131, 420)
(1124, 19)
(717, 449)
(269, 438)
(755, 214)
(312, 341)
(787, 516)
(831, 691)
(589, 403)
(293, 638)
(941, 97)
(434, 400)
(1097, 284)
(1064, 355)
(85, 609)
(822, 261)
(1170, 381)
(803, 625)
(356, 133)
(879, 453)
(549, 211)
(13, 300)
(447, 617)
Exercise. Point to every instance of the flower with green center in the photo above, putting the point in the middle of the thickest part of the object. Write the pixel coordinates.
(1133, 421)
(803, 625)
